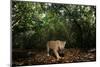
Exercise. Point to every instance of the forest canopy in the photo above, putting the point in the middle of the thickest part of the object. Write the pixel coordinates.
(35, 23)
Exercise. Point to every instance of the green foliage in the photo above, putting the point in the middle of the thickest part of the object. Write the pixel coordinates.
(33, 24)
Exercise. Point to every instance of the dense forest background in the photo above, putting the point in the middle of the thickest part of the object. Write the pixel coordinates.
(33, 24)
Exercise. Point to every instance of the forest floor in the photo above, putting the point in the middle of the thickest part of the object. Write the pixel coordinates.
(22, 57)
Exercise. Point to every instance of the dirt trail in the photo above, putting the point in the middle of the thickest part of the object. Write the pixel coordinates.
(31, 57)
